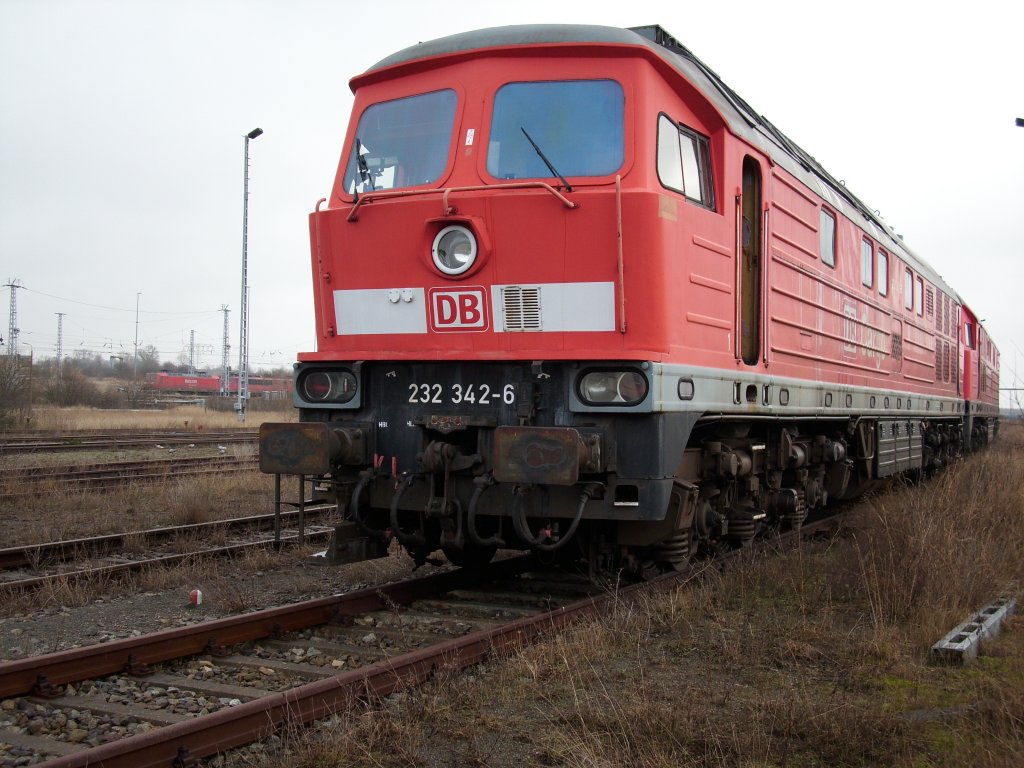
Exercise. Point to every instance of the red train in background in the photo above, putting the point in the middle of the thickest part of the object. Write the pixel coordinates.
(573, 294)
(204, 384)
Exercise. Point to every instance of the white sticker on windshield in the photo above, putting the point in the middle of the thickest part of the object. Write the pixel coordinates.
(469, 136)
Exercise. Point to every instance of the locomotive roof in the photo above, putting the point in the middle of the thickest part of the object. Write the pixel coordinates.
(742, 119)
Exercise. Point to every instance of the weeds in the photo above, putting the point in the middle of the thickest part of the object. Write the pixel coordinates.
(926, 556)
(67, 515)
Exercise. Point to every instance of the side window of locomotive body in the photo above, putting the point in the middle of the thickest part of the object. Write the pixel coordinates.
(684, 162)
(867, 266)
(919, 296)
(908, 289)
(827, 234)
(402, 143)
(579, 126)
(883, 273)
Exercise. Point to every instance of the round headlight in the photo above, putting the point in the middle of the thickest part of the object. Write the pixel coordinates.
(632, 387)
(317, 386)
(599, 387)
(613, 388)
(454, 249)
(329, 386)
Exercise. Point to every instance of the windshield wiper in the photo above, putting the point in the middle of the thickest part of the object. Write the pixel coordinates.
(547, 162)
(364, 171)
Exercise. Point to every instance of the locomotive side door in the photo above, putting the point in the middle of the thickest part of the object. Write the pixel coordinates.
(748, 271)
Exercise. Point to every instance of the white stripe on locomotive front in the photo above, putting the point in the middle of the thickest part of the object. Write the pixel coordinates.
(564, 307)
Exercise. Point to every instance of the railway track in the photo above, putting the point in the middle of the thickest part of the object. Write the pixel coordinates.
(229, 682)
(24, 481)
(82, 441)
(36, 565)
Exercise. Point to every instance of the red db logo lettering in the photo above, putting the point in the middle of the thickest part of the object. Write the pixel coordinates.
(461, 310)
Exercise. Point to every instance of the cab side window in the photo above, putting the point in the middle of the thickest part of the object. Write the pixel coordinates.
(684, 162)
(827, 234)
(867, 263)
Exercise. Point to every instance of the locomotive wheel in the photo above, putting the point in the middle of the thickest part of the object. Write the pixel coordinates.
(470, 556)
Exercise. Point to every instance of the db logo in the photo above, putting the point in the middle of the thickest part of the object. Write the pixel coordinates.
(461, 310)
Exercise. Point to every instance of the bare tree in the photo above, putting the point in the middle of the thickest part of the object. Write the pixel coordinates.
(15, 388)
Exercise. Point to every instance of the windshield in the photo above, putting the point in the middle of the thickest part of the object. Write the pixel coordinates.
(576, 124)
(402, 143)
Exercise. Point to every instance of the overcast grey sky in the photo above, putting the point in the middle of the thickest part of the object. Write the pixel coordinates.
(121, 127)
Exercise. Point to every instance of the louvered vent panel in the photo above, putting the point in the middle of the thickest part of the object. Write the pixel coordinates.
(929, 302)
(522, 308)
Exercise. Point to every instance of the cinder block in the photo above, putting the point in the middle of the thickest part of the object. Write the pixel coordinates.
(961, 645)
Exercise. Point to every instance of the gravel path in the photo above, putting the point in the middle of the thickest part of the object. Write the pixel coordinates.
(128, 615)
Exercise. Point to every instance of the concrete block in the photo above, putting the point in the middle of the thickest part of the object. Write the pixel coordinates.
(961, 645)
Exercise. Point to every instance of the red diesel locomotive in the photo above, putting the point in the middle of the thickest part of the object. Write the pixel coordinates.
(184, 383)
(574, 295)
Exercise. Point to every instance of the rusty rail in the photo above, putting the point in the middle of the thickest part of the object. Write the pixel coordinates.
(29, 555)
(116, 474)
(96, 441)
(107, 571)
(180, 743)
(18, 677)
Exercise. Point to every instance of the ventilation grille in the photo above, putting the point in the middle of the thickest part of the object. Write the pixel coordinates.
(929, 301)
(522, 308)
(897, 347)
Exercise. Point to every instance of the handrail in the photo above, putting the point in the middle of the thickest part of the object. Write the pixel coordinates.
(448, 210)
(324, 277)
(618, 245)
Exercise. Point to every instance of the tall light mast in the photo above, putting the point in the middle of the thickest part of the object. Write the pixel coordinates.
(12, 327)
(225, 361)
(243, 351)
(60, 344)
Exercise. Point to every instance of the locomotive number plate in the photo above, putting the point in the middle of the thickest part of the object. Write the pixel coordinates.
(462, 394)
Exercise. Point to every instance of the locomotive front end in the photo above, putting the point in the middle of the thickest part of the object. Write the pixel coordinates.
(472, 456)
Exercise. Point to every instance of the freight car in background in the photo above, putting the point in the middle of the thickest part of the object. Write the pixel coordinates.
(573, 294)
(204, 384)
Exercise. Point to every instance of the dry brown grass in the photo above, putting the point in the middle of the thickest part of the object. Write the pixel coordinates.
(68, 515)
(810, 658)
(184, 417)
(926, 556)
